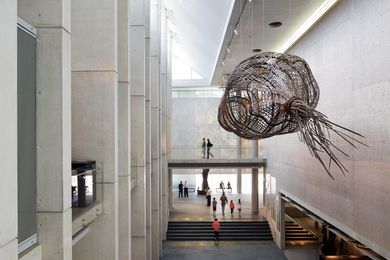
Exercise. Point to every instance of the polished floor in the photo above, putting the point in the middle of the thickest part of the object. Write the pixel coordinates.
(194, 208)
(224, 251)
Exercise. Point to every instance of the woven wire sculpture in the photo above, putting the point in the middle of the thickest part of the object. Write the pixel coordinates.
(273, 94)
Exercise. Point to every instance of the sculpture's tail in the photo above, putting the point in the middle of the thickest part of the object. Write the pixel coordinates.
(315, 129)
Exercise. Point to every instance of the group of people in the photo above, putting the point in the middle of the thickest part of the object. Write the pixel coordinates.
(216, 224)
(222, 186)
(224, 201)
(183, 189)
(206, 146)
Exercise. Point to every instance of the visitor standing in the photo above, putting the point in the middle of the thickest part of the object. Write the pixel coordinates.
(231, 207)
(208, 196)
(204, 148)
(239, 207)
(216, 228)
(209, 145)
(180, 186)
(185, 189)
(222, 186)
(223, 200)
(214, 207)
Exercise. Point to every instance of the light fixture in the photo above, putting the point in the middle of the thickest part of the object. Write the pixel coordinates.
(235, 31)
(223, 63)
(228, 51)
(275, 24)
(250, 1)
(326, 6)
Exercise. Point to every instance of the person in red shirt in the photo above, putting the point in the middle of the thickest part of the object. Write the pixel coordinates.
(216, 227)
(231, 207)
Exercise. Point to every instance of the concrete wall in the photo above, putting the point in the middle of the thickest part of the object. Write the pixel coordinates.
(95, 115)
(8, 131)
(349, 54)
(189, 130)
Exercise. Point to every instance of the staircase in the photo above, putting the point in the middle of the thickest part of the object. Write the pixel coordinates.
(295, 233)
(230, 231)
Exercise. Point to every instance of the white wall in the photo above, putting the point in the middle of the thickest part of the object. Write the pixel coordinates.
(349, 54)
(8, 131)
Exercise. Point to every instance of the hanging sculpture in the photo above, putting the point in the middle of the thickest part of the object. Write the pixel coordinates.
(273, 94)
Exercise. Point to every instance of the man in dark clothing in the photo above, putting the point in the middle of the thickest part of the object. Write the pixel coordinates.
(204, 147)
(180, 189)
(209, 145)
(223, 200)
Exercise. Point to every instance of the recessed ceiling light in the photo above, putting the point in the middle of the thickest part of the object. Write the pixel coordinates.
(275, 24)
(256, 50)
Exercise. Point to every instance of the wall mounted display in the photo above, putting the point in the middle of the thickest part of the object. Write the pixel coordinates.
(272, 94)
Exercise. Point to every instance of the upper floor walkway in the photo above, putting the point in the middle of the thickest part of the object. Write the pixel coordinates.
(218, 157)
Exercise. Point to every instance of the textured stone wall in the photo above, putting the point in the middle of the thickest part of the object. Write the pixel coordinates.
(348, 52)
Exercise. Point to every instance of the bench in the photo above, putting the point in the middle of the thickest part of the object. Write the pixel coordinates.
(219, 190)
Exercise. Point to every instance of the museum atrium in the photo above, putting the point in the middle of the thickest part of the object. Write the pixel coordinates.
(123, 119)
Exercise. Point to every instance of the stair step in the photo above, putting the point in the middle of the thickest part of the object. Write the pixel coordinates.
(223, 230)
(221, 239)
(221, 234)
(302, 239)
(222, 223)
(230, 230)
(297, 232)
(300, 235)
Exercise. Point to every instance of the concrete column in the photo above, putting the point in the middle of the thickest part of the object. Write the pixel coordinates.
(163, 121)
(95, 115)
(170, 189)
(264, 186)
(239, 176)
(124, 147)
(155, 125)
(8, 132)
(255, 179)
(148, 158)
(282, 221)
(54, 215)
(138, 129)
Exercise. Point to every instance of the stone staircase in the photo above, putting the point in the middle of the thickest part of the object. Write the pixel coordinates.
(295, 233)
(230, 231)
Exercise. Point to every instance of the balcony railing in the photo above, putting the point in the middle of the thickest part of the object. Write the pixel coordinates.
(216, 152)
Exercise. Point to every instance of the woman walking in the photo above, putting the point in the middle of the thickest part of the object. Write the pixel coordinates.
(231, 207)
(216, 227)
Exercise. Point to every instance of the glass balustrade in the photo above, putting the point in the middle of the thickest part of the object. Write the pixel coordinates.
(216, 152)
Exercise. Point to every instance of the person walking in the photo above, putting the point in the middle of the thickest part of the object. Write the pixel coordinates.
(185, 189)
(231, 207)
(216, 228)
(208, 196)
(223, 200)
(209, 145)
(204, 148)
(239, 207)
(180, 186)
(214, 208)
